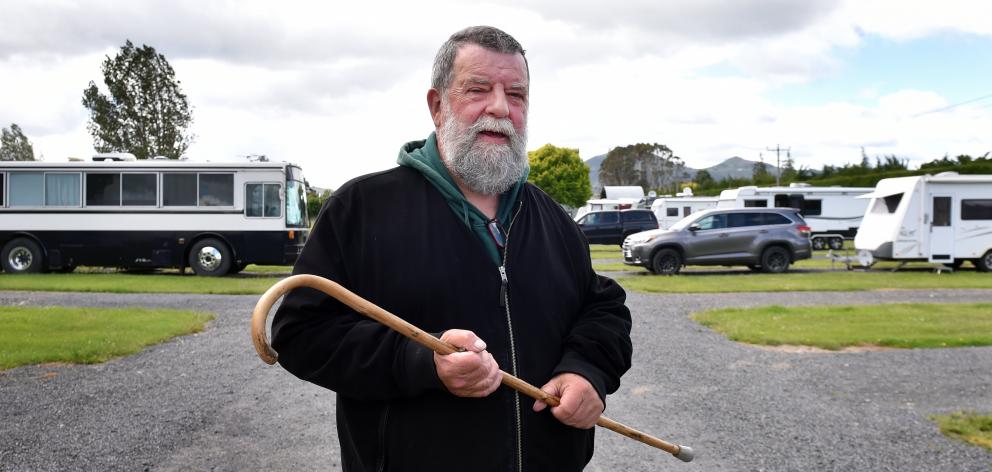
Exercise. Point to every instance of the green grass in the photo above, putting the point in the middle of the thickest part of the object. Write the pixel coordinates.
(899, 325)
(745, 281)
(605, 251)
(35, 335)
(970, 427)
(137, 283)
(267, 269)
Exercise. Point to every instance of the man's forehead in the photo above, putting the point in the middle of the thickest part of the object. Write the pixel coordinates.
(478, 64)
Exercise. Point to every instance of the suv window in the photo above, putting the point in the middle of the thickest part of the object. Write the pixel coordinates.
(602, 218)
(740, 220)
(718, 221)
(774, 219)
(637, 216)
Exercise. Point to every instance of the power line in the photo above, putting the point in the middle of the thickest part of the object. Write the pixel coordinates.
(949, 107)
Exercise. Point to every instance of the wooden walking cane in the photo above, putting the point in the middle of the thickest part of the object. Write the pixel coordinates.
(259, 337)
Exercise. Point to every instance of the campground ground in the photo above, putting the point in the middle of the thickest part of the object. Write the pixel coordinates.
(205, 402)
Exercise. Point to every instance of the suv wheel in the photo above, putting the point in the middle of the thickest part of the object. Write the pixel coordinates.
(666, 262)
(775, 260)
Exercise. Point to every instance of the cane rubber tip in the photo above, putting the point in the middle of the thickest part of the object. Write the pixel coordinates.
(685, 454)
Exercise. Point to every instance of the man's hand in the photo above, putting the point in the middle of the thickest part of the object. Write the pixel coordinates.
(580, 404)
(473, 373)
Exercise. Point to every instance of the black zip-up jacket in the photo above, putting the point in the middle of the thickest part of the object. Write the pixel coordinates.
(391, 238)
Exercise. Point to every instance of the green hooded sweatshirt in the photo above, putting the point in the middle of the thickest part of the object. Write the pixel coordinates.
(424, 157)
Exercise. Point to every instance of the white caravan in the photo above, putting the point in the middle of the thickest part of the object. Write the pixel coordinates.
(944, 218)
(669, 210)
(833, 213)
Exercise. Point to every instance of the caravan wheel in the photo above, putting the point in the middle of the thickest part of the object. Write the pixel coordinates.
(836, 243)
(984, 264)
(819, 244)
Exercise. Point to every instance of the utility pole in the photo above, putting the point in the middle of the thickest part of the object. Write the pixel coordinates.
(778, 163)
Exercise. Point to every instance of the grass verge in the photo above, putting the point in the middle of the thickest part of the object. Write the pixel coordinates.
(35, 335)
(137, 283)
(899, 325)
(744, 281)
(970, 427)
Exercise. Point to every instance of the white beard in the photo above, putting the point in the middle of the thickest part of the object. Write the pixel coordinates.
(485, 168)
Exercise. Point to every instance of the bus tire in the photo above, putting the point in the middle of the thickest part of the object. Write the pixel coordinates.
(210, 257)
(983, 264)
(22, 256)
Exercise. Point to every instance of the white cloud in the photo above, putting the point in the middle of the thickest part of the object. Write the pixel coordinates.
(339, 87)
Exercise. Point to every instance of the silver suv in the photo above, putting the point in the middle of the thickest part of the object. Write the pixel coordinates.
(765, 239)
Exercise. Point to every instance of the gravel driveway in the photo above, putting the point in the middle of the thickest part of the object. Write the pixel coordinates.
(205, 402)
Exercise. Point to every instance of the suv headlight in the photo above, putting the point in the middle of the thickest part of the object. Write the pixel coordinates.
(639, 239)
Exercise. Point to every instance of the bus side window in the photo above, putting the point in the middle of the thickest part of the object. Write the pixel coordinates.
(263, 200)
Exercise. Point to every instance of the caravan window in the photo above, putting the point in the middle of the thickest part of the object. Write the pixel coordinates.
(811, 207)
(755, 203)
(671, 212)
(1, 190)
(887, 204)
(941, 211)
(975, 209)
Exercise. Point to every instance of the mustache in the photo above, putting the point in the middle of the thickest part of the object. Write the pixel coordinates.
(487, 123)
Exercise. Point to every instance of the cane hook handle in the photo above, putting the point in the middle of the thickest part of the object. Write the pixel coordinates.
(260, 339)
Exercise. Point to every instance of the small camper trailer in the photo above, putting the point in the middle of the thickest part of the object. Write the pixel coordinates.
(944, 218)
(833, 213)
(613, 198)
(669, 210)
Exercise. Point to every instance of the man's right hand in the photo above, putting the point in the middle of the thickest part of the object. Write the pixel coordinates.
(472, 373)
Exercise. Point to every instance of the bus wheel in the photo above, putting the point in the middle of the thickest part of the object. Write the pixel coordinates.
(22, 256)
(210, 257)
(984, 263)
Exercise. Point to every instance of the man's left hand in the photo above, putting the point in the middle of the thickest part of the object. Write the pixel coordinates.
(580, 404)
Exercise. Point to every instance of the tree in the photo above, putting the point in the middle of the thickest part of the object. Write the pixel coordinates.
(315, 202)
(651, 166)
(561, 173)
(704, 180)
(146, 113)
(14, 145)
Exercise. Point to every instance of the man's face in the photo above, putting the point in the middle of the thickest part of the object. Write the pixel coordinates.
(482, 119)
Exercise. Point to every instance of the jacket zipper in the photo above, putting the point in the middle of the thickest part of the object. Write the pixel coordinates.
(381, 466)
(505, 302)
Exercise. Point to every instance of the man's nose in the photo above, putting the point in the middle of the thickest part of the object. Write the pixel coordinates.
(498, 106)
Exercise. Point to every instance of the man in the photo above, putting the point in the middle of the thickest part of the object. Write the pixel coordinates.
(456, 242)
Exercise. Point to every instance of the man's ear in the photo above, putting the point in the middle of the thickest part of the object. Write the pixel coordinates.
(434, 105)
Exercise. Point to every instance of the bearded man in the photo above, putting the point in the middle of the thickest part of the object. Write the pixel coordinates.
(455, 241)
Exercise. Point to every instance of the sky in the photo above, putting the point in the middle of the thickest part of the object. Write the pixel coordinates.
(338, 87)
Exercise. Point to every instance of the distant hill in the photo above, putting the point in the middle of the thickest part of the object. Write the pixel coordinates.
(736, 167)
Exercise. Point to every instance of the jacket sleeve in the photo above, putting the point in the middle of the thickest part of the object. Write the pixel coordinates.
(322, 341)
(598, 345)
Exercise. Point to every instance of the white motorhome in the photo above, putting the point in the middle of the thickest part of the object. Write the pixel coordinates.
(833, 213)
(669, 210)
(944, 218)
(616, 198)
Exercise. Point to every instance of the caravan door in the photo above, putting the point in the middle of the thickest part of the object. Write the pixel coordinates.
(941, 231)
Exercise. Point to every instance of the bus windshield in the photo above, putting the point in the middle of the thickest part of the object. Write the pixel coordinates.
(296, 205)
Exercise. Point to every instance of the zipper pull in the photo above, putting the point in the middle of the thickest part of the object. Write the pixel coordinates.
(502, 286)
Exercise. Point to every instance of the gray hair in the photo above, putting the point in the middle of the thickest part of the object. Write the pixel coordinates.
(493, 39)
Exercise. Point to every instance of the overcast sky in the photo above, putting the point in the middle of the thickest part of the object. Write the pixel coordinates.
(337, 87)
